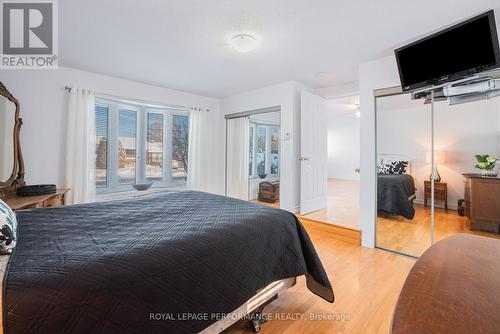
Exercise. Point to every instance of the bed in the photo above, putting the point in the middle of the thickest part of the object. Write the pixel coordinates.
(396, 190)
(167, 263)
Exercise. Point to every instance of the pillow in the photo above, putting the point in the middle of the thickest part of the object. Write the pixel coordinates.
(398, 167)
(8, 229)
(393, 167)
(382, 168)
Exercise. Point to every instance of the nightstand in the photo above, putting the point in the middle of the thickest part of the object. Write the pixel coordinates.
(440, 193)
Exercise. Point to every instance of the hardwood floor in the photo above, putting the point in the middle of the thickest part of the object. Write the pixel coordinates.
(414, 236)
(342, 204)
(366, 284)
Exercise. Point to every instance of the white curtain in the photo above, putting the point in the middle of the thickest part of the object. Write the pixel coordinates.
(194, 150)
(238, 157)
(80, 146)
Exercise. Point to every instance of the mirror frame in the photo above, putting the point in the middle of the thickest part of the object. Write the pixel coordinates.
(17, 176)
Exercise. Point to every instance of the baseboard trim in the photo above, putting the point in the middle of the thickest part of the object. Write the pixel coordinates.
(348, 234)
(451, 206)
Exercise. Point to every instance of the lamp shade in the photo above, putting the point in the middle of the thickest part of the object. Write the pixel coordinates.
(439, 157)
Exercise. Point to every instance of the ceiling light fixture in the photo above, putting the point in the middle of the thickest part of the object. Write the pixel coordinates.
(244, 42)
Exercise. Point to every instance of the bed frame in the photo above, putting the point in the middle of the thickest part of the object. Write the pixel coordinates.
(252, 309)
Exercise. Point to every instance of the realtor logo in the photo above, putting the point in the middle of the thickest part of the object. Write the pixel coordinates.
(29, 34)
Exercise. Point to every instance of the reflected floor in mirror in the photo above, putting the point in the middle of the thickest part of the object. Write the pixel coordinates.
(412, 237)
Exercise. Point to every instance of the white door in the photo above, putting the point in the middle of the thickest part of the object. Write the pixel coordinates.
(313, 158)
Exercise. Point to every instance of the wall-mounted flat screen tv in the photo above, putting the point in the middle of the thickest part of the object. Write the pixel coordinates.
(462, 50)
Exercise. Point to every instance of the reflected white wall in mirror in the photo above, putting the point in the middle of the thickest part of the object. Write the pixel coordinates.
(462, 131)
(7, 122)
(404, 129)
(403, 134)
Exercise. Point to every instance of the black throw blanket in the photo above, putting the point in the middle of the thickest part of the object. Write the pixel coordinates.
(168, 263)
(393, 195)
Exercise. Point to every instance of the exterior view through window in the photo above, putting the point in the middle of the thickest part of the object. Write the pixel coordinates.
(138, 144)
(264, 150)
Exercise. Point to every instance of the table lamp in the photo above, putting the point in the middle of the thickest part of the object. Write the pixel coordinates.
(439, 158)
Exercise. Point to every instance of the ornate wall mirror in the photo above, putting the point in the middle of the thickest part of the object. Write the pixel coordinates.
(11, 159)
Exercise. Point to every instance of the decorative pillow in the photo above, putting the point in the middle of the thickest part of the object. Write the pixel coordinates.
(393, 167)
(398, 167)
(8, 229)
(382, 168)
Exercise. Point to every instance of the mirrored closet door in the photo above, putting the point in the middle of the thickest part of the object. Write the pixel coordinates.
(467, 138)
(417, 204)
(403, 143)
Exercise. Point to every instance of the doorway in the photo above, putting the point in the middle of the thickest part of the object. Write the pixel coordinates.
(342, 123)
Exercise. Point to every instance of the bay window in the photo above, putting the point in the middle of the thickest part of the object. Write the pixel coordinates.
(140, 144)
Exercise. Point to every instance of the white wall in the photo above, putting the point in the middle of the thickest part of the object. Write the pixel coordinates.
(372, 75)
(343, 138)
(341, 90)
(7, 121)
(287, 96)
(43, 104)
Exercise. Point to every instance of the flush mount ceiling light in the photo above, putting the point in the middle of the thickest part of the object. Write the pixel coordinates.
(244, 42)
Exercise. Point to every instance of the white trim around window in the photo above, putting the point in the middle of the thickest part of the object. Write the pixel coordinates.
(138, 162)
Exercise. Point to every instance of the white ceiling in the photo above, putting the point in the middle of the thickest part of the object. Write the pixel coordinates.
(181, 44)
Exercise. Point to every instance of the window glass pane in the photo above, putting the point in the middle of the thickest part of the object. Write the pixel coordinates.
(261, 151)
(180, 139)
(275, 146)
(127, 144)
(101, 162)
(154, 148)
(250, 151)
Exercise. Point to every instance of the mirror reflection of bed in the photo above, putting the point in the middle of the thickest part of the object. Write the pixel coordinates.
(404, 157)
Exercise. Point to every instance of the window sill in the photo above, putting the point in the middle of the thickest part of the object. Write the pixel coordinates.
(267, 178)
(128, 194)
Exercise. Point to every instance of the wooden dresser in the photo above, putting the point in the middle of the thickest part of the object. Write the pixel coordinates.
(453, 288)
(482, 202)
(17, 203)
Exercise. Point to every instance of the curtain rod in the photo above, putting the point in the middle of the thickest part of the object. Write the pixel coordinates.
(142, 102)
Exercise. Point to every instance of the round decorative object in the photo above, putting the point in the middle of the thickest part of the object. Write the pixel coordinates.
(263, 176)
(142, 187)
(36, 190)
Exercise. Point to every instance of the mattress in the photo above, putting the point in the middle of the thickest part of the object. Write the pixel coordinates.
(106, 267)
(261, 298)
(4, 259)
